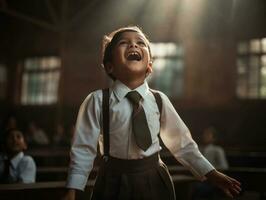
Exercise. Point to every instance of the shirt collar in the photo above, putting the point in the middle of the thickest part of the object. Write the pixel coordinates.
(121, 90)
(16, 159)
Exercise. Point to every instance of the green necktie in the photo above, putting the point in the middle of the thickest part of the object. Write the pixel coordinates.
(139, 122)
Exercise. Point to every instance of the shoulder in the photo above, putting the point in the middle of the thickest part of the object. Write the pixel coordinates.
(162, 95)
(27, 164)
(96, 94)
(166, 103)
(218, 148)
(27, 160)
(95, 97)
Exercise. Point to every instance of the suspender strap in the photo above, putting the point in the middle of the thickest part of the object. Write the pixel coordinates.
(106, 124)
(159, 103)
(158, 100)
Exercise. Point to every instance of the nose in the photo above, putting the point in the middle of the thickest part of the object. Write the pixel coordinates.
(133, 44)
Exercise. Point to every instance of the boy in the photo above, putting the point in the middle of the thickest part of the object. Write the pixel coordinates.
(15, 167)
(132, 169)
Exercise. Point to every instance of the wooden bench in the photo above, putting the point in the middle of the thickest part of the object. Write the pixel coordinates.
(55, 190)
(40, 191)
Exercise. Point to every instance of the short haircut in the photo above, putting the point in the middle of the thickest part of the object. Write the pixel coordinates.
(5, 135)
(109, 41)
(213, 131)
(8, 132)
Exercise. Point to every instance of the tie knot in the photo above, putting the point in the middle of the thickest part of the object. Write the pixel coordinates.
(134, 97)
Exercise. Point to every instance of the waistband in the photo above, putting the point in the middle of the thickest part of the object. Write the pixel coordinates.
(133, 165)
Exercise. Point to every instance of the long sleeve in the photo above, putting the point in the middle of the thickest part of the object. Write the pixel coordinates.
(177, 138)
(27, 170)
(84, 146)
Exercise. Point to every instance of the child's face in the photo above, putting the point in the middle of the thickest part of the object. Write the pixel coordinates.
(15, 142)
(130, 57)
(208, 137)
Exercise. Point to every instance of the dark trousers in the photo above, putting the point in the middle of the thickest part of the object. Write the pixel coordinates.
(142, 179)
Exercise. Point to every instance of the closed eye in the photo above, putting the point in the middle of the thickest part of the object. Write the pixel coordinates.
(122, 42)
(142, 43)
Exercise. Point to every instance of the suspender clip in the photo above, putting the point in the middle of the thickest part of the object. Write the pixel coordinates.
(105, 158)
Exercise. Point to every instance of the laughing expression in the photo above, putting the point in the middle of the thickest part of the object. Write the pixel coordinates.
(130, 56)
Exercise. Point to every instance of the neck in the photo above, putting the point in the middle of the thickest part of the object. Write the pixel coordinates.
(133, 84)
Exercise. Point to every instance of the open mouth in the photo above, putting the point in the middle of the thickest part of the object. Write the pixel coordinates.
(134, 56)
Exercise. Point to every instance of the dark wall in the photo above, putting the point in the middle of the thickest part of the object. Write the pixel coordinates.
(208, 30)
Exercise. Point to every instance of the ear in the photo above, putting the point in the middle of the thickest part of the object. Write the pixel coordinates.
(149, 68)
(109, 67)
(24, 146)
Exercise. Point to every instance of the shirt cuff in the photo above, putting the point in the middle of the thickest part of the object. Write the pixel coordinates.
(198, 166)
(76, 181)
(203, 166)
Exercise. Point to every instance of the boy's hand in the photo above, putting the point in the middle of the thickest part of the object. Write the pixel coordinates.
(230, 186)
(69, 195)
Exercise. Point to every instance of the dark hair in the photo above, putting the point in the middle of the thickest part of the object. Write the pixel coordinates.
(110, 40)
(213, 130)
(8, 132)
(3, 140)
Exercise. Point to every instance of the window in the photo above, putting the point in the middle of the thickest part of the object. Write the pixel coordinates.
(3, 81)
(40, 80)
(251, 69)
(168, 68)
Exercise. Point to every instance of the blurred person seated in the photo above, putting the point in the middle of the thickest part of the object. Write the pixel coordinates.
(214, 153)
(9, 123)
(36, 136)
(59, 136)
(15, 167)
(216, 156)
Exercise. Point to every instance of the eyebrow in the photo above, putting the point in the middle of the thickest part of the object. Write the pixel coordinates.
(138, 38)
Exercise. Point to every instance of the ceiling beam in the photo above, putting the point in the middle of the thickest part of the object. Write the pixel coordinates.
(52, 12)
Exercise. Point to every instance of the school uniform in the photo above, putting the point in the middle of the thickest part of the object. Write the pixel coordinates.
(21, 168)
(129, 165)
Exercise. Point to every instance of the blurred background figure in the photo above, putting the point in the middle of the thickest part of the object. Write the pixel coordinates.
(16, 167)
(36, 136)
(213, 152)
(216, 156)
(11, 123)
(59, 138)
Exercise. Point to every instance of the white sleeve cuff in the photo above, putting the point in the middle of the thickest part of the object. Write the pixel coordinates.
(198, 166)
(76, 181)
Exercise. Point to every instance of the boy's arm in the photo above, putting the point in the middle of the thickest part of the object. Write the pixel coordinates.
(85, 140)
(70, 194)
(228, 185)
(177, 138)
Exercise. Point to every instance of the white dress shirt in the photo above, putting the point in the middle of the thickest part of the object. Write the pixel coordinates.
(22, 168)
(88, 133)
